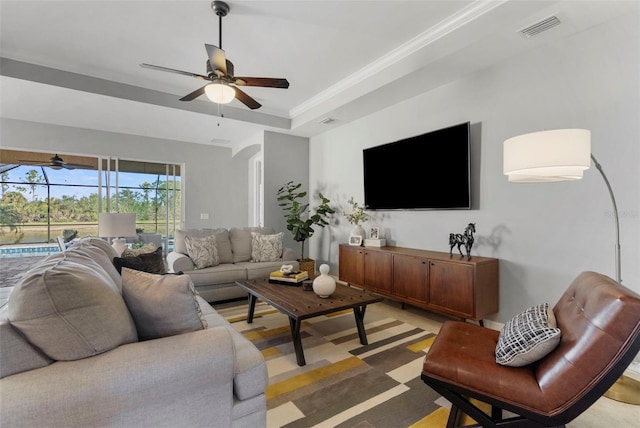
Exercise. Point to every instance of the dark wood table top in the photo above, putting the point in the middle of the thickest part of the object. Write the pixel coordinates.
(300, 304)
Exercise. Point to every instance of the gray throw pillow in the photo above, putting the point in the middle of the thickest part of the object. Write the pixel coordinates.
(70, 309)
(528, 337)
(161, 305)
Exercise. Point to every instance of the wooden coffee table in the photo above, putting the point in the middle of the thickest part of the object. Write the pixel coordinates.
(298, 305)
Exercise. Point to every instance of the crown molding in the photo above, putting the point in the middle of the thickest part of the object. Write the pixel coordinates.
(444, 27)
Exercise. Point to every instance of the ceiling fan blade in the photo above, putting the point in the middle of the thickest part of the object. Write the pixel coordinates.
(32, 162)
(266, 82)
(172, 70)
(246, 99)
(229, 69)
(76, 166)
(193, 95)
(217, 58)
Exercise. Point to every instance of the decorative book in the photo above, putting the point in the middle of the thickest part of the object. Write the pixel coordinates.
(292, 278)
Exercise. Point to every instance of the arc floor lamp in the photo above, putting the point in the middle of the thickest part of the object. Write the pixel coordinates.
(561, 155)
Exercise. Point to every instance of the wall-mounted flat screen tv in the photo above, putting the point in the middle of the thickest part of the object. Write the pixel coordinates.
(426, 172)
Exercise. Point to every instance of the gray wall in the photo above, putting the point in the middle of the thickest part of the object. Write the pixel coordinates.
(285, 159)
(214, 182)
(543, 234)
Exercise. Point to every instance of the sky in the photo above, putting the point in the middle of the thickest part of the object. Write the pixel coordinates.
(76, 176)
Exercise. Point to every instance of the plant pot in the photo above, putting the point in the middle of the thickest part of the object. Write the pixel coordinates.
(309, 265)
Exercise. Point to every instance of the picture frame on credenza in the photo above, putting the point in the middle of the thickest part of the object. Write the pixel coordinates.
(374, 232)
(355, 240)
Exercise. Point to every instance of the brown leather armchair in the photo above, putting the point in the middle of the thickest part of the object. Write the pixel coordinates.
(600, 324)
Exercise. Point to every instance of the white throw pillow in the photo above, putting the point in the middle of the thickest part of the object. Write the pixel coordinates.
(266, 248)
(528, 337)
(161, 305)
(203, 251)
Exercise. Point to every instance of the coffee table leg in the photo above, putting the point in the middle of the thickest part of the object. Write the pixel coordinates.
(297, 341)
(359, 314)
(252, 308)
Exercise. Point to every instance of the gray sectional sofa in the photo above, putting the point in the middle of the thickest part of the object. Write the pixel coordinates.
(234, 245)
(71, 355)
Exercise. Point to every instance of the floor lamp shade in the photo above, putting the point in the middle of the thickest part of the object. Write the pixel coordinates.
(117, 225)
(557, 155)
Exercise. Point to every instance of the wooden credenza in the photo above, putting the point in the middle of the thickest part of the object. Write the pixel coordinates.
(451, 285)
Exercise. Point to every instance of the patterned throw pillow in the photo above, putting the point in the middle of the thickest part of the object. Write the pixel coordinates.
(266, 248)
(203, 251)
(133, 252)
(161, 305)
(528, 337)
(147, 262)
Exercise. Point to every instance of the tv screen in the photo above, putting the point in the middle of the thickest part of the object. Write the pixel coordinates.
(428, 171)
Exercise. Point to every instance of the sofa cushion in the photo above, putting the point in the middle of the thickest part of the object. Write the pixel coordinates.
(241, 241)
(266, 248)
(147, 262)
(161, 305)
(528, 337)
(224, 246)
(221, 274)
(17, 354)
(99, 251)
(203, 251)
(70, 308)
(262, 270)
(251, 378)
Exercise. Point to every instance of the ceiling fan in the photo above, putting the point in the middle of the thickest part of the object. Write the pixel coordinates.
(224, 84)
(55, 162)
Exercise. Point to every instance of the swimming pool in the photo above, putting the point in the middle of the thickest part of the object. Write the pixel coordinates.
(28, 251)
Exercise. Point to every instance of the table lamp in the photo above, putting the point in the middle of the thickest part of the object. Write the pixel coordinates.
(117, 226)
(561, 155)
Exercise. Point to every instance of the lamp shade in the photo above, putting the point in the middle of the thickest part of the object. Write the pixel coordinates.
(116, 224)
(220, 93)
(557, 155)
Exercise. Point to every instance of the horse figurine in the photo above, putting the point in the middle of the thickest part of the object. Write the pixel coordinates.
(465, 239)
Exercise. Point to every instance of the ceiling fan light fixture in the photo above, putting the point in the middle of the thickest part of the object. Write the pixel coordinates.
(220, 93)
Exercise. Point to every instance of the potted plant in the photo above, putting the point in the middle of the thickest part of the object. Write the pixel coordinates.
(300, 220)
(357, 216)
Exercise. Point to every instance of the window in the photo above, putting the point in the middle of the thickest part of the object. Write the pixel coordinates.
(39, 203)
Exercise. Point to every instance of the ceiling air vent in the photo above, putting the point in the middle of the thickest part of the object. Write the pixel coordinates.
(539, 27)
(327, 120)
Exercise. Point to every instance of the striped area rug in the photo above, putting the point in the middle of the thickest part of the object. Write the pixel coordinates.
(344, 383)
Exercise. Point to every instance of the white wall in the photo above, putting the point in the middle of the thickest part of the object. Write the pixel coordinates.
(214, 182)
(285, 159)
(543, 234)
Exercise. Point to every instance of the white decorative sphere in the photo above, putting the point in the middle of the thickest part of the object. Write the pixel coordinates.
(324, 285)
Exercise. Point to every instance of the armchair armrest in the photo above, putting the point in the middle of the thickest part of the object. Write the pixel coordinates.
(177, 262)
(172, 381)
